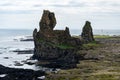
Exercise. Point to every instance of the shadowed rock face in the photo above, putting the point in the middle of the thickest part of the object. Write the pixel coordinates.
(55, 47)
(87, 34)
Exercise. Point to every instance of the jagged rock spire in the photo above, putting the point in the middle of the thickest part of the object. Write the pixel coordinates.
(48, 21)
(87, 34)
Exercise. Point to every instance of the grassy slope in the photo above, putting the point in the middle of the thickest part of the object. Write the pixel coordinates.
(106, 68)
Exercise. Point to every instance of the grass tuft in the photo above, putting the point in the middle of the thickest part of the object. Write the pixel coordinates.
(91, 45)
(102, 36)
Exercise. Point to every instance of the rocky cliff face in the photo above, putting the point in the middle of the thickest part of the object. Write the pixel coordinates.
(87, 34)
(56, 47)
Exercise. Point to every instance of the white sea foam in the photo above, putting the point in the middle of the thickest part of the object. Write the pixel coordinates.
(3, 75)
(42, 77)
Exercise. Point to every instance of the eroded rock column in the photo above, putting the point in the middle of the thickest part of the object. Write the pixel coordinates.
(87, 33)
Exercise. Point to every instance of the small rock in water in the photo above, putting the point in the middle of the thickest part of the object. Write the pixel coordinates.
(6, 57)
(31, 62)
(18, 64)
(23, 51)
(10, 65)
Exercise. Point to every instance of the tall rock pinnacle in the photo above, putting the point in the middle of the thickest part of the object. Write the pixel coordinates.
(87, 34)
(48, 21)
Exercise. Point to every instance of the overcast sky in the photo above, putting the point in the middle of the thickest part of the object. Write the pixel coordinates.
(25, 14)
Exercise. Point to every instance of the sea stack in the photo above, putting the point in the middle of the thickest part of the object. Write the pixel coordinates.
(54, 47)
(48, 21)
(87, 33)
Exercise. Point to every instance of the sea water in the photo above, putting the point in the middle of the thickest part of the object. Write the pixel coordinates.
(97, 32)
(9, 41)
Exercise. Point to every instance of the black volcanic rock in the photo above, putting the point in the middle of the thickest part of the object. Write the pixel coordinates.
(87, 34)
(55, 47)
(19, 74)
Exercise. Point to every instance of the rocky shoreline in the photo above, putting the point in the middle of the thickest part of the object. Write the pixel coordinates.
(100, 62)
(20, 74)
(96, 55)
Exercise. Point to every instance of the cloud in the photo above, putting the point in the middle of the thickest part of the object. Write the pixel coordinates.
(37, 5)
(67, 6)
(6, 4)
(70, 4)
(72, 13)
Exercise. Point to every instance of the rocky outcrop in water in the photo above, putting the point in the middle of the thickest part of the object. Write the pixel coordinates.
(87, 34)
(54, 47)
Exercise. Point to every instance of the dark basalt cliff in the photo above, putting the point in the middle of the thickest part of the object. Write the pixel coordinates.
(54, 47)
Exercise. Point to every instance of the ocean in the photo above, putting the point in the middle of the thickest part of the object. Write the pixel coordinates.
(97, 32)
(10, 41)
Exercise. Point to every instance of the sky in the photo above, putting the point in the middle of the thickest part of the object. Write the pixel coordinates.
(26, 14)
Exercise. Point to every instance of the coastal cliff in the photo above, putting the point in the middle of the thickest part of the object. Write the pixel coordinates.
(54, 47)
